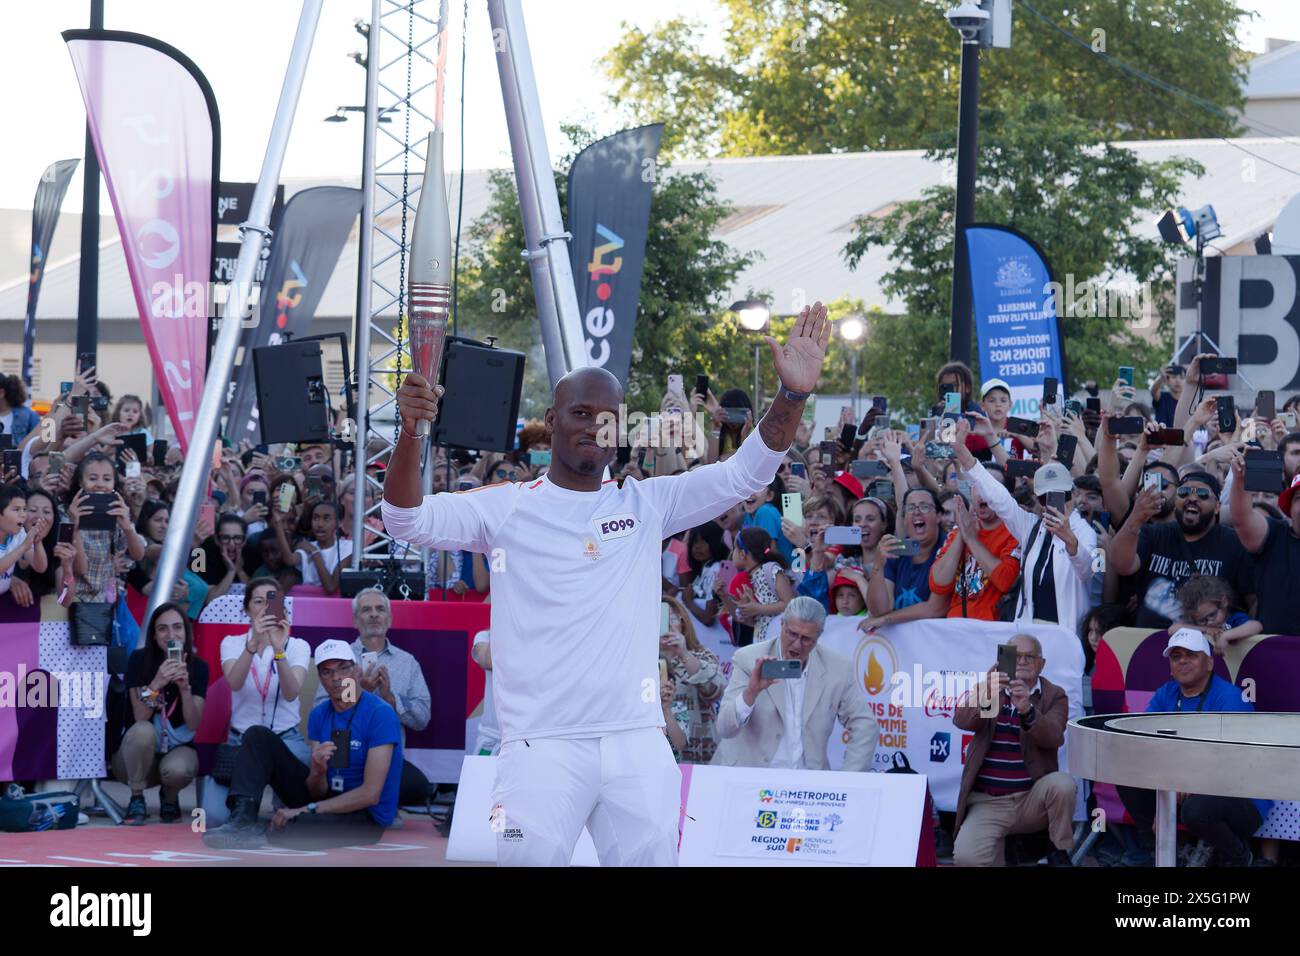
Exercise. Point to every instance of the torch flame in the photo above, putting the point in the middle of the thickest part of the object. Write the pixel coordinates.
(874, 679)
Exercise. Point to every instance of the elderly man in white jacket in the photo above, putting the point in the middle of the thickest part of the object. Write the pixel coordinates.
(1054, 582)
(764, 722)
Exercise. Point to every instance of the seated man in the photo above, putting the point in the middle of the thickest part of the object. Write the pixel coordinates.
(787, 726)
(1224, 823)
(363, 780)
(395, 676)
(1011, 783)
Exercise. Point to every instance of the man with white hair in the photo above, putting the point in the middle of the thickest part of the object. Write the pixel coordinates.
(394, 676)
(786, 723)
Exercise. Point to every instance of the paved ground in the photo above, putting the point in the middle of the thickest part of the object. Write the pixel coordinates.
(100, 843)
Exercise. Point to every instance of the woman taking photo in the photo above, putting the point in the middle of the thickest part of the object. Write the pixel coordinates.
(900, 584)
(166, 684)
(697, 678)
(265, 668)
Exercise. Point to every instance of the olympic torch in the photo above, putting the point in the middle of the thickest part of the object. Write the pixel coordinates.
(428, 287)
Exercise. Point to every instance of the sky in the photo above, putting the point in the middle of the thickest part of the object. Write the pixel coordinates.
(242, 46)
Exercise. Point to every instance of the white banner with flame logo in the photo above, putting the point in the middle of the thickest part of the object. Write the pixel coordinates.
(912, 674)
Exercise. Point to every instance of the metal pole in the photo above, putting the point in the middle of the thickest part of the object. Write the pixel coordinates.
(88, 291)
(1166, 827)
(194, 474)
(853, 374)
(539, 206)
(959, 346)
(364, 277)
(757, 399)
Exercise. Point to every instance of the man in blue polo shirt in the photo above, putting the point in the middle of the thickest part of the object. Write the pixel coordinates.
(1224, 823)
(347, 796)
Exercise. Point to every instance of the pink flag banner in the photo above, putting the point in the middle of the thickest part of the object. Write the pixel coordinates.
(153, 120)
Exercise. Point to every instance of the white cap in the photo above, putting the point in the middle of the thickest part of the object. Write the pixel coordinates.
(1052, 477)
(992, 384)
(334, 651)
(1189, 639)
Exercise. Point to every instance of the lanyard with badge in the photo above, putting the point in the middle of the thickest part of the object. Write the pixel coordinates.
(342, 741)
(263, 688)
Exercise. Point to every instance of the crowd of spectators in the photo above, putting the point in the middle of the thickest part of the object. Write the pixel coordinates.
(1075, 515)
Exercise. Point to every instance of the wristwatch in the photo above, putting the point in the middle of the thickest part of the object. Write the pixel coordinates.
(311, 808)
(1028, 717)
(793, 395)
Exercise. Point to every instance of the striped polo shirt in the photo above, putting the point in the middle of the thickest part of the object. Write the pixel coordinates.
(1003, 771)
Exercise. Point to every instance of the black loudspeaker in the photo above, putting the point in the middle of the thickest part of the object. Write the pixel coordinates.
(291, 404)
(398, 585)
(480, 406)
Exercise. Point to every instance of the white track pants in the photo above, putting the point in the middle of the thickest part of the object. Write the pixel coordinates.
(625, 788)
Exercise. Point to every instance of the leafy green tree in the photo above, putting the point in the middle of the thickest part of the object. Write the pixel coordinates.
(818, 76)
(682, 323)
(1050, 175)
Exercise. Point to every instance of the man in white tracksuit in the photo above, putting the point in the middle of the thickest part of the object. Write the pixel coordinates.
(575, 607)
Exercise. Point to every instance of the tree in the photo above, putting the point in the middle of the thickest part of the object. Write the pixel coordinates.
(1050, 175)
(818, 76)
(682, 325)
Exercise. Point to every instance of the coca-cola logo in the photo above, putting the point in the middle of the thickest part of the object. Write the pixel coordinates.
(938, 704)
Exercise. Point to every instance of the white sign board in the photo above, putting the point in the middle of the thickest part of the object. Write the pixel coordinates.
(751, 816)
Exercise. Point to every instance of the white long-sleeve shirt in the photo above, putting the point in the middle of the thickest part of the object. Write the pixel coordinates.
(576, 585)
(1072, 573)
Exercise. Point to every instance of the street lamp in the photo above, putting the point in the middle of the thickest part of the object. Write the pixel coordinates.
(754, 315)
(851, 330)
(967, 19)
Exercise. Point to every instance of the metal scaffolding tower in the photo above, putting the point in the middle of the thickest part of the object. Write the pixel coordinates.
(402, 69)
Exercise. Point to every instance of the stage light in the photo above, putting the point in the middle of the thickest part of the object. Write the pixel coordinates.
(1180, 225)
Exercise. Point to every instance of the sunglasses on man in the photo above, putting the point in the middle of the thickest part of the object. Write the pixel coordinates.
(1204, 494)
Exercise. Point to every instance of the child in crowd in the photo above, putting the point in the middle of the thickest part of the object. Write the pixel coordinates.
(133, 413)
(321, 556)
(847, 593)
(1208, 604)
(98, 537)
(19, 548)
(769, 589)
(761, 512)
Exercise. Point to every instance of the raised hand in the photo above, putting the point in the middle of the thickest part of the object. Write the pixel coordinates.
(799, 362)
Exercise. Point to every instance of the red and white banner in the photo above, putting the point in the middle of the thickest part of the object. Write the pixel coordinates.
(154, 124)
